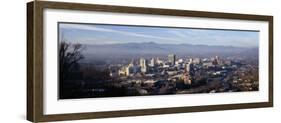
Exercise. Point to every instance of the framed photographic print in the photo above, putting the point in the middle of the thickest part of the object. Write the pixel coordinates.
(96, 61)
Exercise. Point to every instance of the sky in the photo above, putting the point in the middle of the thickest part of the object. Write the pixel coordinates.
(97, 34)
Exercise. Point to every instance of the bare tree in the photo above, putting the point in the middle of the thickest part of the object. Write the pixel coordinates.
(69, 56)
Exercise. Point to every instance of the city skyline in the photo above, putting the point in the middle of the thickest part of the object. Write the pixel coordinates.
(112, 61)
(97, 34)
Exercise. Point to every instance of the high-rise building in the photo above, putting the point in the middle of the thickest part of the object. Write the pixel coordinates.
(143, 65)
(158, 61)
(216, 60)
(129, 69)
(172, 58)
(152, 62)
(187, 67)
(122, 71)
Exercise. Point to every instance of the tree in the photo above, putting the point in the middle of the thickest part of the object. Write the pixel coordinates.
(69, 56)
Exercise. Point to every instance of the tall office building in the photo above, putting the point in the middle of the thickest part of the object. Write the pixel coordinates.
(158, 61)
(152, 62)
(172, 58)
(128, 70)
(143, 65)
(187, 67)
(216, 60)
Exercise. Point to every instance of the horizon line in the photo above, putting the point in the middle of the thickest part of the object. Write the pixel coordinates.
(151, 42)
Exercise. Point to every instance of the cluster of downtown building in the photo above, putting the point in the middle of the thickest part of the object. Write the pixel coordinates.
(151, 68)
(176, 75)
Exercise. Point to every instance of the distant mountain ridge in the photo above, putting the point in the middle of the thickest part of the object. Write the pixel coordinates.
(152, 48)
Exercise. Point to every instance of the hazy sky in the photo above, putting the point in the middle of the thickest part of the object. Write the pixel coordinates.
(111, 34)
